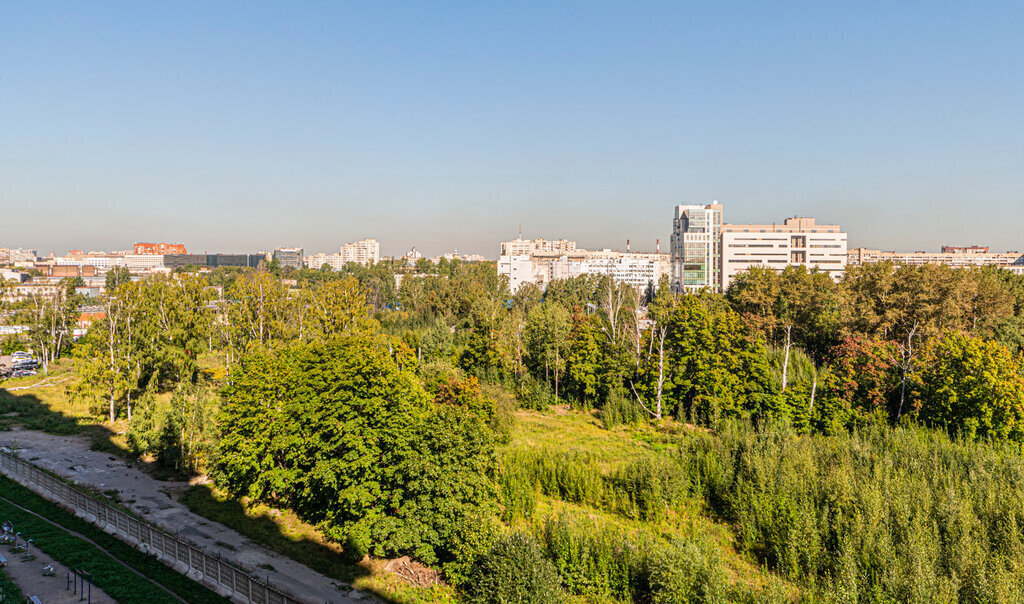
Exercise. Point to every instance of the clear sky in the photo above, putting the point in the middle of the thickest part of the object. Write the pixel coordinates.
(235, 126)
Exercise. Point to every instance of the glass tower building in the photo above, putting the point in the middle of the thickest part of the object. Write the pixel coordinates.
(696, 247)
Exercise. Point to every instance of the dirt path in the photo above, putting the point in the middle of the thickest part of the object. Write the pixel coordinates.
(156, 501)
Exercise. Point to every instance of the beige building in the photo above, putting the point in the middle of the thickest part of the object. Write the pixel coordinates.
(538, 247)
(796, 242)
(951, 256)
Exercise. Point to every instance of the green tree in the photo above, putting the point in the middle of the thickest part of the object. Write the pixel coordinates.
(971, 386)
(189, 429)
(51, 316)
(338, 432)
(180, 310)
(546, 336)
(334, 308)
(116, 276)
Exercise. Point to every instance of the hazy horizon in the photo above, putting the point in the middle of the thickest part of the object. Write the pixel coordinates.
(244, 126)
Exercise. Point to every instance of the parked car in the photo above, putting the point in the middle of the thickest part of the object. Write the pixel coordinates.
(21, 354)
(23, 373)
(26, 364)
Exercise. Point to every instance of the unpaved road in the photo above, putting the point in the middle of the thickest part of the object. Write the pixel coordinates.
(156, 501)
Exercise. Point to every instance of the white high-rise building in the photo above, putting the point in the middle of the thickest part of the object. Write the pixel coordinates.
(365, 252)
(796, 242)
(696, 247)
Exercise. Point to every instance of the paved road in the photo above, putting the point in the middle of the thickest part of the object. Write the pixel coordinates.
(156, 501)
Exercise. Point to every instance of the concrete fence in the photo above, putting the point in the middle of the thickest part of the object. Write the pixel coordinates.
(212, 571)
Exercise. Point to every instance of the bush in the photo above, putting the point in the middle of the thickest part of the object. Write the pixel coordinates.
(518, 494)
(620, 408)
(10, 344)
(514, 572)
(683, 572)
(533, 393)
(568, 476)
(600, 562)
(647, 488)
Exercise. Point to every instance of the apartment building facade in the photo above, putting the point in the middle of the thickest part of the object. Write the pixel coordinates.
(289, 257)
(159, 249)
(365, 252)
(796, 242)
(540, 262)
(957, 257)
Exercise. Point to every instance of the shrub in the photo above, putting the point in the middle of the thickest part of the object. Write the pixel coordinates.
(683, 572)
(518, 494)
(593, 560)
(648, 487)
(620, 408)
(533, 393)
(514, 571)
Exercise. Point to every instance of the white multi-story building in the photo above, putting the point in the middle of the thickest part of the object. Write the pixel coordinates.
(102, 262)
(796, 242)
(546, 263)
(365, 252)
(538, 247)
(144, 263)
(520, 270)
(16, 255)
(696, 247)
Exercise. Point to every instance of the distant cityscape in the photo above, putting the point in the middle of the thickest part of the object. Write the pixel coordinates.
(704, 252)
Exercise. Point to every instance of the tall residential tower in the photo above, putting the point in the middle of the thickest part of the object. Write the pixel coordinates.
(697, 247)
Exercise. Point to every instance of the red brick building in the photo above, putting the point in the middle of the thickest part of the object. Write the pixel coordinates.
(160, 249)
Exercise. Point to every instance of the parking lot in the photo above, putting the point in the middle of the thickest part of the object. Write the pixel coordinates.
(18, 365)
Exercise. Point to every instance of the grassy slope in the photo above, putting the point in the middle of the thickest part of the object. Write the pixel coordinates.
(562, 430)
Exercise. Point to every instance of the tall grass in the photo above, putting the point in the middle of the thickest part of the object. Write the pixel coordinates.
(604, 562)
(644, 489)
(881, 515)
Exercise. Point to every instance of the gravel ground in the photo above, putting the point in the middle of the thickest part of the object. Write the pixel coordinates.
(156, 501)
(51, 590)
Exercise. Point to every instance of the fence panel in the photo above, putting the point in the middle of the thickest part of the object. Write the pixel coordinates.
(171, 549)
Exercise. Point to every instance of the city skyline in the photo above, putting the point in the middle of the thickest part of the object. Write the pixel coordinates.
(239, 126)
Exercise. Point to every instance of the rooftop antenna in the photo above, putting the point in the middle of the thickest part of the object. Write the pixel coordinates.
(520, 230)
(657, 245)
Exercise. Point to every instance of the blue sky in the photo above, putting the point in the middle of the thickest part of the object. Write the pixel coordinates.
(241, 126)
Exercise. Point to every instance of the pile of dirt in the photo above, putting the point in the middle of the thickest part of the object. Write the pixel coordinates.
(413, 572)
